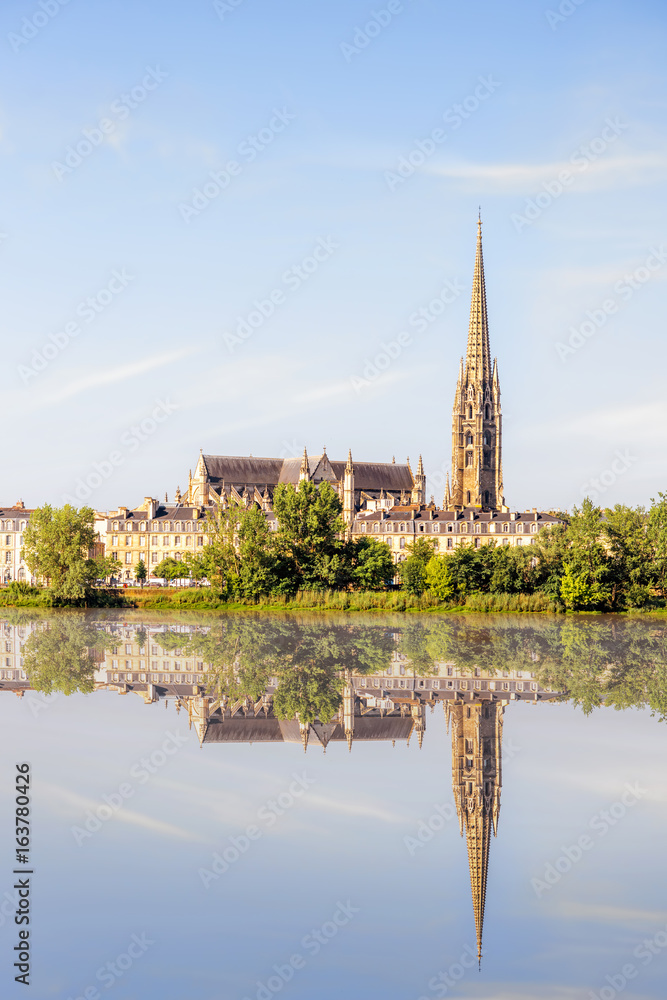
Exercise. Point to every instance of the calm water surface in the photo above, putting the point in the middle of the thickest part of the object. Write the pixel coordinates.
(367, 806)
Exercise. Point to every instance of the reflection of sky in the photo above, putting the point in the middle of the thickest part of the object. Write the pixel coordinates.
(343, 840)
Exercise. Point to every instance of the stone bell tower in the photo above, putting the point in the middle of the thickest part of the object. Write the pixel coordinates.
(477, 476)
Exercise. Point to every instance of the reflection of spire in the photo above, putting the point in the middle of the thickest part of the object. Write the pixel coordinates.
(476, 782)
(304, 727)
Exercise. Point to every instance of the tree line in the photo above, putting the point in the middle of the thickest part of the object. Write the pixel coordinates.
(596, 560)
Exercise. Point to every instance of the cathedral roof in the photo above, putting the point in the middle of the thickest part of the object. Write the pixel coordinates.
(243, 469)
(240, 470)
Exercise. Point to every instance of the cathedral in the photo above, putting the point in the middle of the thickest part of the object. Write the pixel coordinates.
(477, 479)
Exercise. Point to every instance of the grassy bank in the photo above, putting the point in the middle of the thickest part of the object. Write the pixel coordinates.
(203, 599)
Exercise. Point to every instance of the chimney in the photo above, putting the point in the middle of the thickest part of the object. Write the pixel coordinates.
(151, 507)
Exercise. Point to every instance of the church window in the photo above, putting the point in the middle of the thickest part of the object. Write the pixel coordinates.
(468, 460)
(468, 496)
(487, 459)
(470, 413)
(469, 439)
(487, 438)
(487, 413)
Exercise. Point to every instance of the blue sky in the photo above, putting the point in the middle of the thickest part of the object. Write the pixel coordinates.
(335, 100)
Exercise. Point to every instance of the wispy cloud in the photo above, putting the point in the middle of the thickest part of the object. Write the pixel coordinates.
(602, 913)
(108, 377)
(521, 178)
(75, 806)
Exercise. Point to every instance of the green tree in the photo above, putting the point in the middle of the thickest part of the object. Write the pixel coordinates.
(170, 569)
(656, 530)
(629, 556)
(57, 547)
(439, 579)
(141, 572)
(372, 564)
(412, 570)
(307, 540)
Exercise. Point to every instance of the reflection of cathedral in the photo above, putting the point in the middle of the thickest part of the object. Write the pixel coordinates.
(388, 706)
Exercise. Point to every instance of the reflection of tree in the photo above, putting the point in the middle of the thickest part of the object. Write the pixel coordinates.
(306, 657)
(60, 656)
(309, 692)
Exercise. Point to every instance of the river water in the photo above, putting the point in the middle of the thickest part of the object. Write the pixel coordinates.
(405, 807)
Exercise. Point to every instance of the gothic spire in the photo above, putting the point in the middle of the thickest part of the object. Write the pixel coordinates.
(478, 355)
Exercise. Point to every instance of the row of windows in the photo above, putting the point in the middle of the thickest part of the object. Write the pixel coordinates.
(160, 526)
(155, 540)
(478, 527)
(157, 678)
(11, 526)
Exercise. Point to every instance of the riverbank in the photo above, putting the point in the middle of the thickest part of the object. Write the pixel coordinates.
(202, 599)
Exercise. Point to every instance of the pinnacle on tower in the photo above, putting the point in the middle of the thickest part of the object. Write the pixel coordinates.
(349, 467)
(478, 355)
(304, 471)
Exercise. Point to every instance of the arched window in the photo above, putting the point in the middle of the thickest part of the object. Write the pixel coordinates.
(468, 463)
(478, 529)
(402, 527)
(533, 527)
(450, 527)
(463, 527)
(468, 496)
(506, 527)
(487, 412)
(376, 526)
(436, 527)
(469, 439)
(470, 413)
(519, 528)
(486, 496)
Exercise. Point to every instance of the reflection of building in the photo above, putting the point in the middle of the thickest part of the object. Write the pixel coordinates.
(477, 734)
(387, 706)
